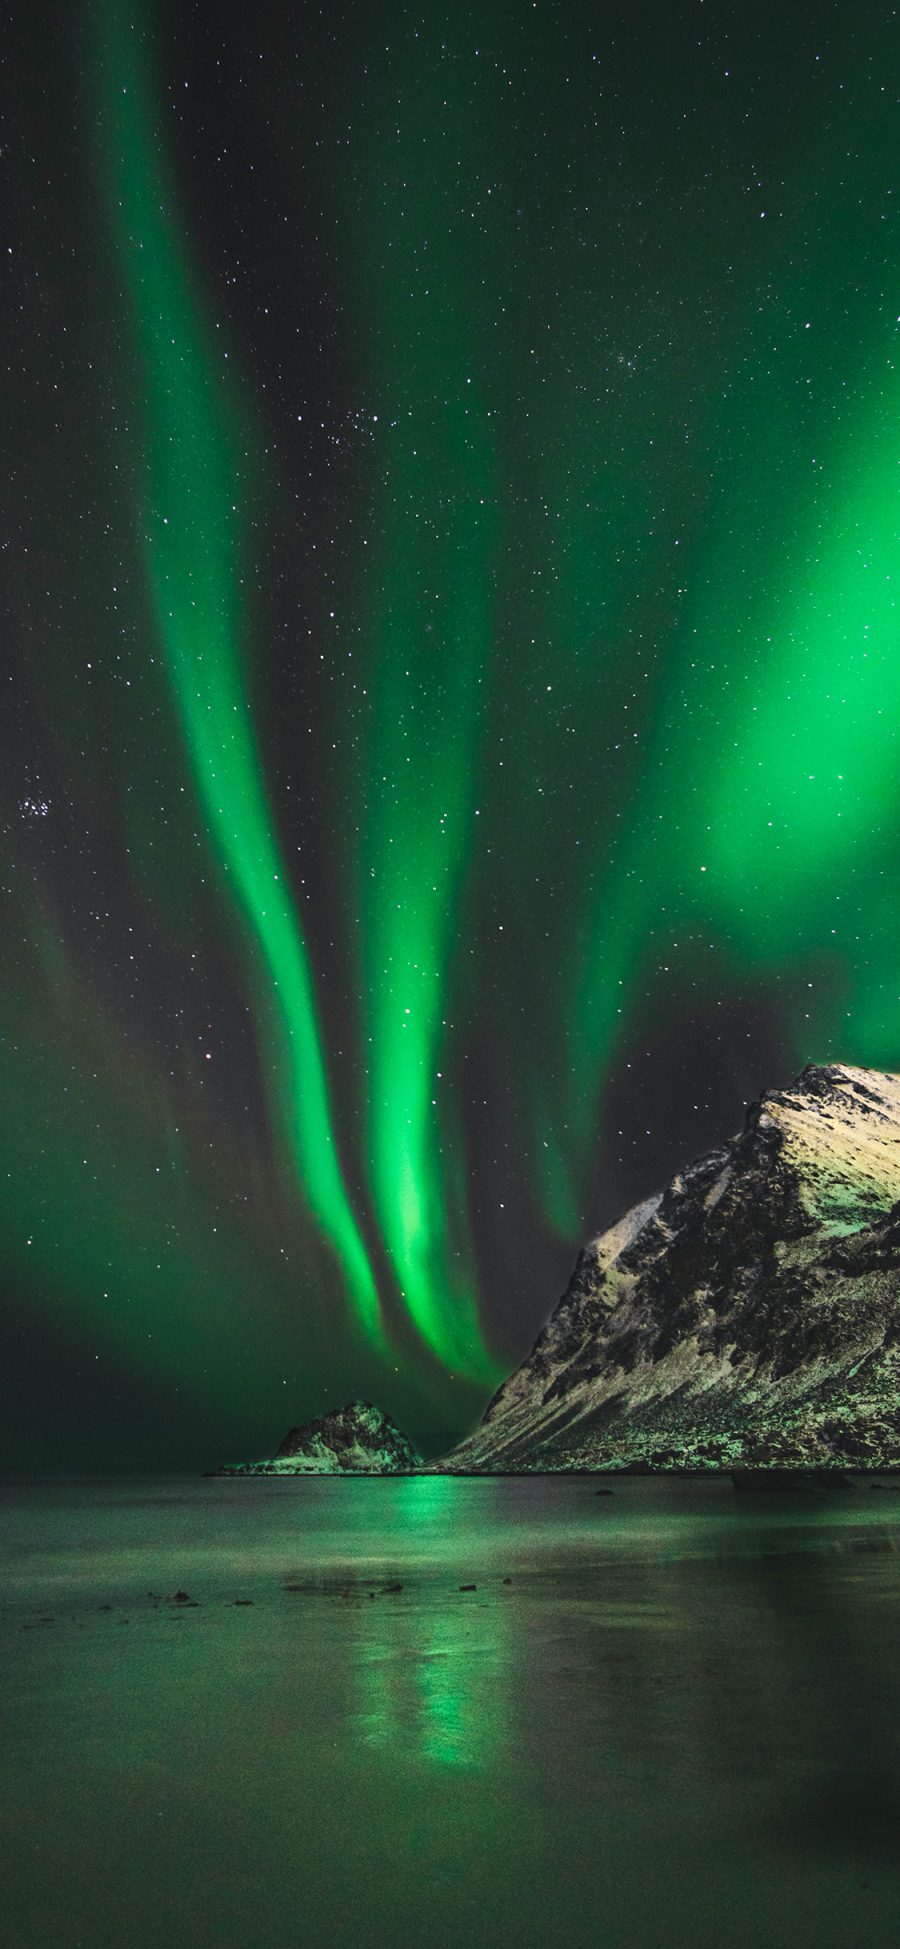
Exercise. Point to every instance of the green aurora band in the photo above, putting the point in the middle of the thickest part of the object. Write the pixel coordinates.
(194, 556)
(428, 631)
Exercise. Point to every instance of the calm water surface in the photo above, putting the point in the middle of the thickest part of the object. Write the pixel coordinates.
(666, 1716)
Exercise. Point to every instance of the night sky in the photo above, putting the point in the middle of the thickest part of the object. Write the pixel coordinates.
(450, 672)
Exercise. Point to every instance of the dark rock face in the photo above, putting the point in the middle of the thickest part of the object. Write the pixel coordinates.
(746, 1316)
(356, 1440)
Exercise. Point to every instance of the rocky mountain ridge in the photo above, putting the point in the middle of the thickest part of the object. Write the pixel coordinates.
(748, 1315)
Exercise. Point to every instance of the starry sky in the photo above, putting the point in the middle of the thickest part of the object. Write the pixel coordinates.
(450, 672)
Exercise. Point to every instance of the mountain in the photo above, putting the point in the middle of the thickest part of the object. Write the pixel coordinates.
(356, 1440)
(748, 1315)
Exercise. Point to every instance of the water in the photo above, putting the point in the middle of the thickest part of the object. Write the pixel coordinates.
(677, 1723)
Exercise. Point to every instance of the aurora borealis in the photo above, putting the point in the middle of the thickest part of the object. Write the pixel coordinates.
(451, 673)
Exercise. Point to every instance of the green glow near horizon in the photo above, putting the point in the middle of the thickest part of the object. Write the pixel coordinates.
(198, 451)
(106, 1209)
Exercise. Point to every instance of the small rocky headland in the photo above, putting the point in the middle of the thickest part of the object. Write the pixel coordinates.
(355, 1440)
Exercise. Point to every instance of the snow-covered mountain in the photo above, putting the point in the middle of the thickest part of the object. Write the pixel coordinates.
(748, 1314)
(356, 1440)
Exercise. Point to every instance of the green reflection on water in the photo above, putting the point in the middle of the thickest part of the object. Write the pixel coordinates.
(432, 1670)
(431, 1686)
